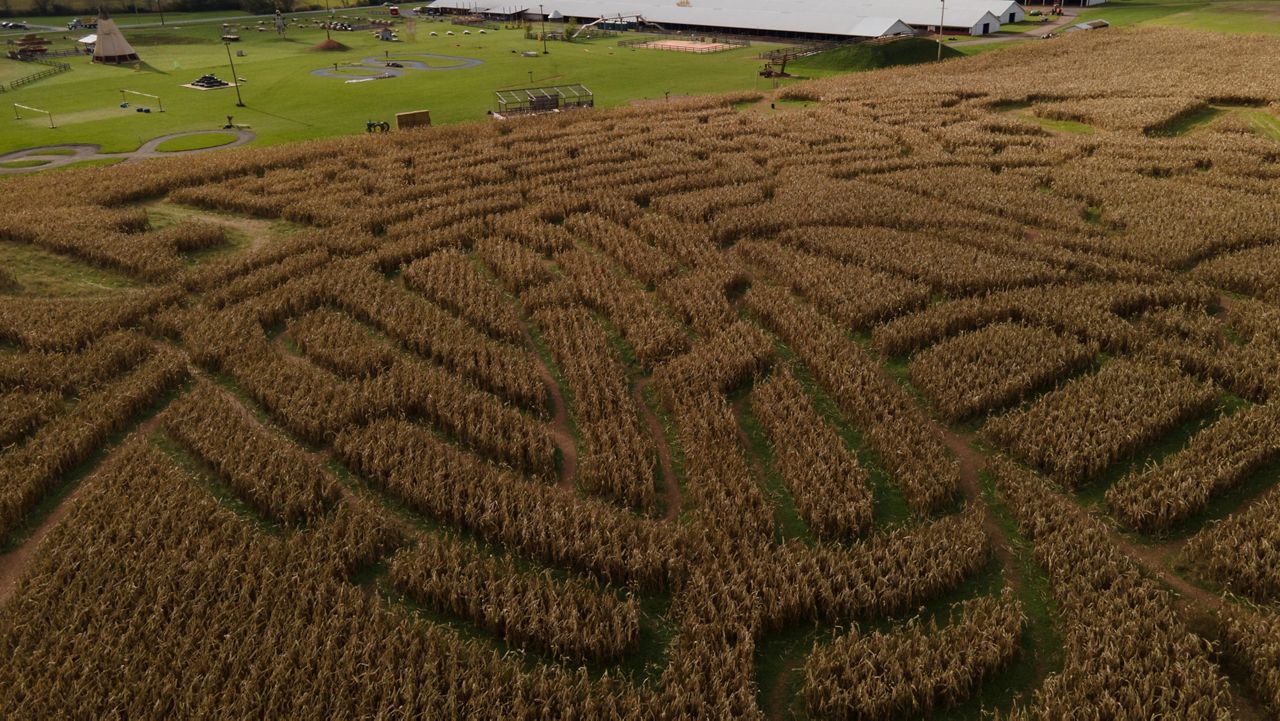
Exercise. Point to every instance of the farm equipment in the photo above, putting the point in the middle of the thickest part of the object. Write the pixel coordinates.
(770, 71)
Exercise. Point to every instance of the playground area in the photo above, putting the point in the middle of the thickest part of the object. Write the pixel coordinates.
(312, 79)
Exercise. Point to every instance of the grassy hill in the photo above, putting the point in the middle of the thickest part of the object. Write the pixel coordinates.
(865, 56)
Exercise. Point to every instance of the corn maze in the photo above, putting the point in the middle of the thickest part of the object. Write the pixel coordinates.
(902, 404)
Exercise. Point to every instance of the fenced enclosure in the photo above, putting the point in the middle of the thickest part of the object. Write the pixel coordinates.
(690, 44)
(543, 100)
(54, 68)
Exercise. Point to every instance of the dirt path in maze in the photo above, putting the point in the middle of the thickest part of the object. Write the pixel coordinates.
(15, 563)
(971, 463)
(561, 434)
(1194, 604)
(671, 487)
(256, 230)
(744, 440)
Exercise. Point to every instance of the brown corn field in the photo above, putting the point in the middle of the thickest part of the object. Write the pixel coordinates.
(899, 403)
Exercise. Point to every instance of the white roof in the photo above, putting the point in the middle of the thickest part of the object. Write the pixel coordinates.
(88, 39)
(879, 27)
(825, 17)
(479, 6)
(1001, 8)
(854, 18)
(959, 13)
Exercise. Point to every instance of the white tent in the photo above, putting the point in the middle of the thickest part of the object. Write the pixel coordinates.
(111, 46)
(88, 39)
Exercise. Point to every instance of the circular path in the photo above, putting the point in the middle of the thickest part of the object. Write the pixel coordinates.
(373, 67)
(80, 153)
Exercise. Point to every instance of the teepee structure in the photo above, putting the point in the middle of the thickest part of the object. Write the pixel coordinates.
(111, 46)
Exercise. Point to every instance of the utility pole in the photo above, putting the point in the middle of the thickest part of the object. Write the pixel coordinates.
(543, 15)
(235, 79)
(941, 20)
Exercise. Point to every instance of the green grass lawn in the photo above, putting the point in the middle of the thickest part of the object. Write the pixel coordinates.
(1028, 25)
(980, 48)
(870, 57)
(285, 102)
(1263, 122)
(41, 273)
(1229, 16)
(195, 142)
(11, 70)
(23, 163)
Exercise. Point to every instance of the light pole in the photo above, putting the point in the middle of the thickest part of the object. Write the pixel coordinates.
(235, 80)
(941, 20)
(543, 15)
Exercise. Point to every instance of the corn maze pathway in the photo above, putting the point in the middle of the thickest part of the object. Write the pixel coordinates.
(678, 410)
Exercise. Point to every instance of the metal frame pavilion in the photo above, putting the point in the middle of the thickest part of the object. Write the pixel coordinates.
(544, 99)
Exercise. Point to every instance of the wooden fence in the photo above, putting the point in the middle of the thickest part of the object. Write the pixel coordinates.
(55, 68)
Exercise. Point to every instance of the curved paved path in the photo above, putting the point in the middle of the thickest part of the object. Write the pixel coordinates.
(81, 152)
(377, 67)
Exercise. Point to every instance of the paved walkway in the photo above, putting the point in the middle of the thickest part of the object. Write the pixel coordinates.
(79, 153)
(374, 67)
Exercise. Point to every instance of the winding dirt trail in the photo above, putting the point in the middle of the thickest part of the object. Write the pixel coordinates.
(757, 466)
(15, 563)
(971, 462)
(671, 487)
(561, 434)
(1193, 603)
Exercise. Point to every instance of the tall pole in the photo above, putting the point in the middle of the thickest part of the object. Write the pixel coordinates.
(543, 15)
(941, 20)
(235, 79)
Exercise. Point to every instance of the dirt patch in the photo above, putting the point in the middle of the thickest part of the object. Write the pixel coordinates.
(561, 434)
(670, 486)
(744, 440)
(329, 45)
(971, 463)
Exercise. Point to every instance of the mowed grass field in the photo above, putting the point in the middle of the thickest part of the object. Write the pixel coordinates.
(286, 102)
(1228, 16)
